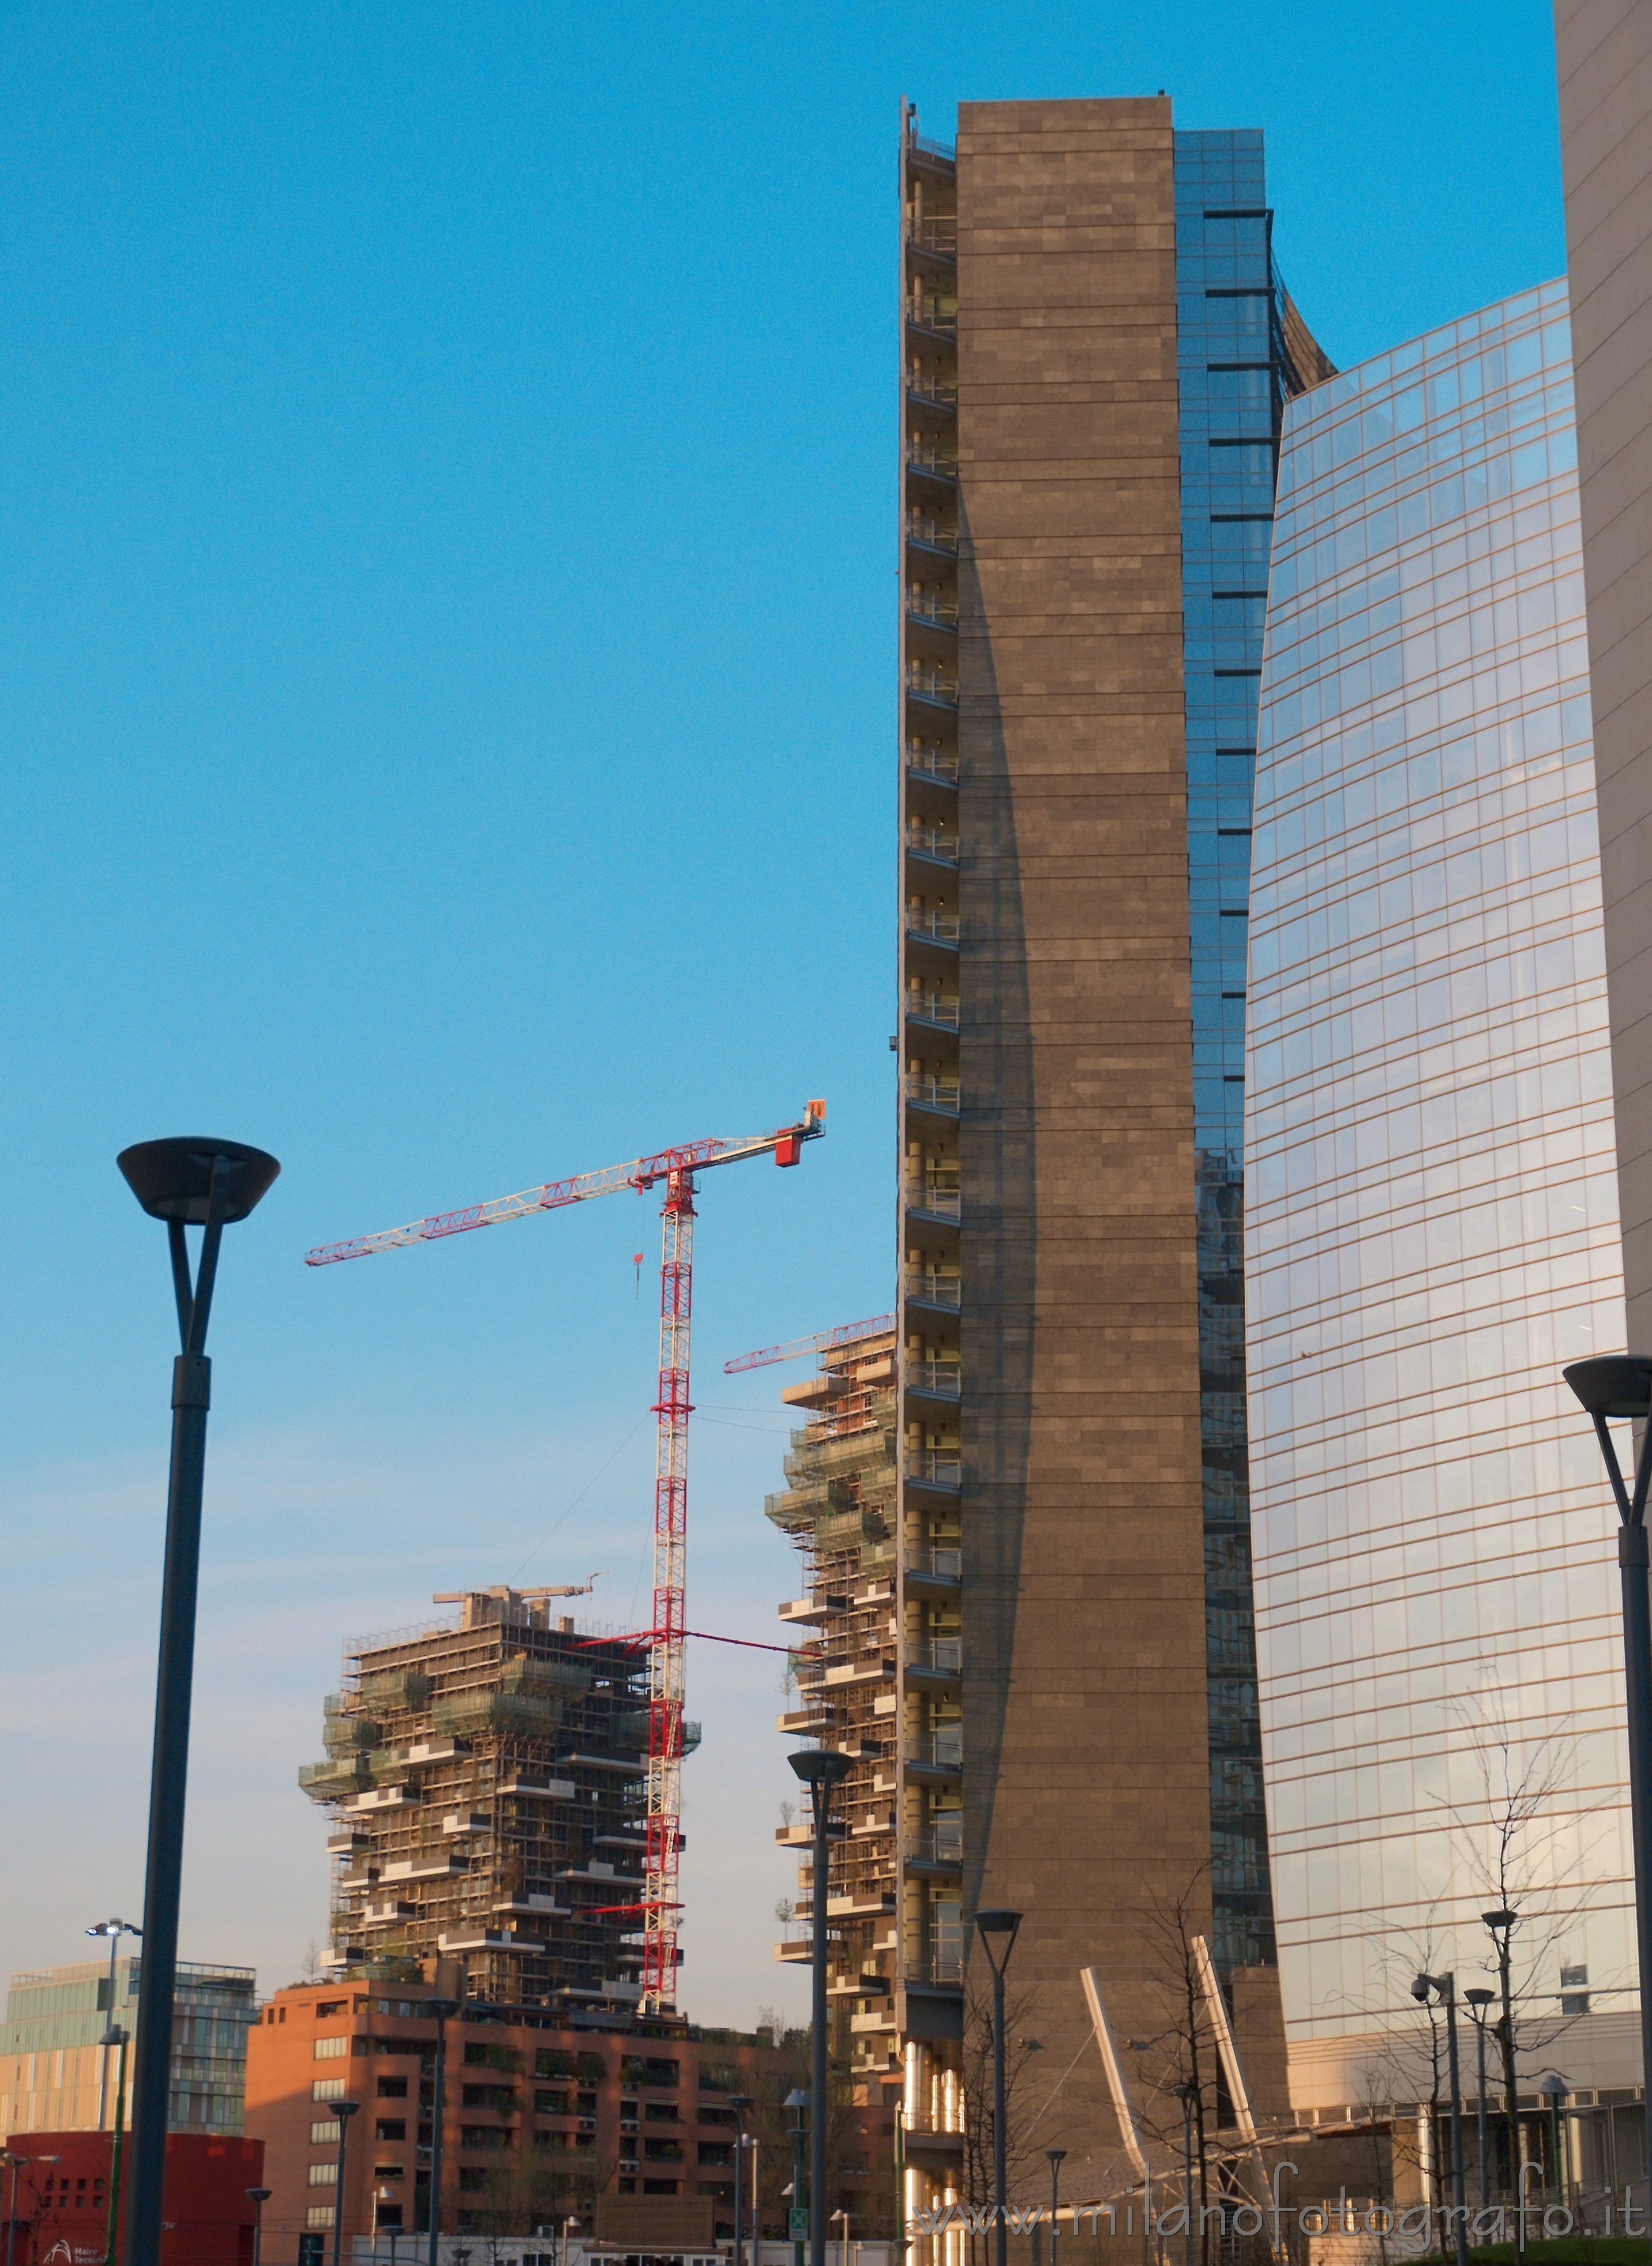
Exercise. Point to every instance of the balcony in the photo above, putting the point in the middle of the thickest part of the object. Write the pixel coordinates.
(924, 1288)
(941, 1754)
(932, 686)
(936, 1380)
(936, 1008)
(934, 1467)
(936, 1666)
(935, 311)
(940, 1094)
(932, 763)
(935, 235)
(932, 393)
(923, 146)
(934, 843)
(931, 462)
(939, 1851)
(932, 613)
(935, 1199)
(925, 532)
(931, 927)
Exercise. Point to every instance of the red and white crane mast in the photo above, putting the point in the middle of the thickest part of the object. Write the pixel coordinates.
(665, 1638)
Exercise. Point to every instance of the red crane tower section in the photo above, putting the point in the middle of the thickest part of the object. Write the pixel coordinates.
(665, 1637)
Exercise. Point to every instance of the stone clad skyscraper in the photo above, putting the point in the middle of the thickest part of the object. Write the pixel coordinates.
(1097, 351)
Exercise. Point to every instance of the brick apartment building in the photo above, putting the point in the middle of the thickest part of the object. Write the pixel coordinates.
(545, 2117)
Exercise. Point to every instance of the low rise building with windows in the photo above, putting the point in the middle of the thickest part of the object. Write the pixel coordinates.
(55, 2075)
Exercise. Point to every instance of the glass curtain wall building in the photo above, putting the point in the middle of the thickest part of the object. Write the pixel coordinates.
(1242, 354)
(1433, 1229)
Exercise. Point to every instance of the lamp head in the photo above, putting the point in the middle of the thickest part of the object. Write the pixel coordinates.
(820, 1768)
(1551, 2086)
(115, 1927)
(1056, 2155)
(1479, 1998)
(260, 2195)
(998, 1922)
(171, 1179)
(1495, 1920)
(345, 2109)
(1613, 1383)
(739, 2102)
(441, 2010)
(796, 2099)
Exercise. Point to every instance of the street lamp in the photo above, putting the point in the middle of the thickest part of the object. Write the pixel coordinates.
(440, 2011)
(343, 2110)
(257, 2198)
(990, 1927)
(739, 2102)
(1500, 1925)
(822, 1770)
(14, 2164)
(1445, 1987)
(115, 1929)
(206, 1184)
(1478, 2002)
(1187, 2093)
(1551, 2086)
(1620, 1386)
(797, 2101)
(1055, 2156)
(114, 2035)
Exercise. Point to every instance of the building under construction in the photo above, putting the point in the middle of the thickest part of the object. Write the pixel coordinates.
(486, 1775)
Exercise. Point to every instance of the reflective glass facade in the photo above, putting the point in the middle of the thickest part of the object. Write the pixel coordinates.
(1234, 373)
(1432, 1206)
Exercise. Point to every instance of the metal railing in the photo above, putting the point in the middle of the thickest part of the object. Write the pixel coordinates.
(933, 1007)
(932, 842)
(944, 1964)
(937, 1848)
(943, 1654)
(932, 762)
(934, 1092)
(933, 1290)
(932, 613)
(938, 1467)
(941, 1200)
(923, 458)
(933, 235)
(922, 527)
(940, 928)
(927, 148)
(934, 391)
(942, 1381)
(948, 1566)
(931, 684)
(934, 310)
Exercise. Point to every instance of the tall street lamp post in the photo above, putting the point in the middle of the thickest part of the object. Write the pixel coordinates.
(997, 1931)
(117, 2037)
(115, 1929)
(1500, 1925)
(1055, 2156)
(797, 2101)
(441, 2011)
(1478, 2002)
(343, 2110)
(1620, 1386)
(1187, 2094)
(1444, 1987)
(739, 2102)
(207, 1184)
(14, 2164)
(257, 2198)
(822, 1770)
(1551, 2086)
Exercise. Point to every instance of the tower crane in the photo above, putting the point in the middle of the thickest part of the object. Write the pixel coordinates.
(677, 1168)
(822, 1341)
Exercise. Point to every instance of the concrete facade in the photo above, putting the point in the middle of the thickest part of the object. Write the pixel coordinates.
(1605, 52)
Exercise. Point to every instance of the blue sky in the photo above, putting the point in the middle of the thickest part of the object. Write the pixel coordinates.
(446, 671)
